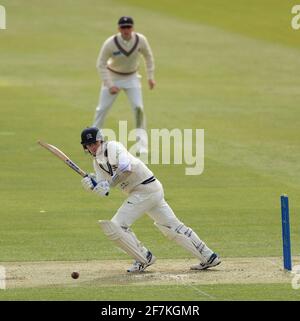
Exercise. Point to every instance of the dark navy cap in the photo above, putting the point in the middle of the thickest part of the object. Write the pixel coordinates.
(125, 21)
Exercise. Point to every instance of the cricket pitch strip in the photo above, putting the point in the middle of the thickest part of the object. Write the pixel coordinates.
(164, 271)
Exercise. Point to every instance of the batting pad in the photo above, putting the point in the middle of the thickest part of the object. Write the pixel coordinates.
(124, 239)
(186, 238)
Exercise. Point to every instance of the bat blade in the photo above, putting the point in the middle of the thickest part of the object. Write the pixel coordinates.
(57, 152)
(62, 156)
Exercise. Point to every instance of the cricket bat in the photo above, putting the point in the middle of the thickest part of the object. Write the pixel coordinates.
(57, 152)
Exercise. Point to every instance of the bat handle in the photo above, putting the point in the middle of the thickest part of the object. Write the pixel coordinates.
(94, 182)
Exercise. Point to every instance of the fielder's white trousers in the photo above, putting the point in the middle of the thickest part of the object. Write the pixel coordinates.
(132, 87)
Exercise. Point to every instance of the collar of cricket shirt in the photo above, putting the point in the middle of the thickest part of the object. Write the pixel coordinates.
(119, 40)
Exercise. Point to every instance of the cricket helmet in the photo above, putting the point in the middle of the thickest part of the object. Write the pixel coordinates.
(90, 135)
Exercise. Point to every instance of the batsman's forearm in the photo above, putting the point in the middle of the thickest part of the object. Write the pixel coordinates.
(119, 177)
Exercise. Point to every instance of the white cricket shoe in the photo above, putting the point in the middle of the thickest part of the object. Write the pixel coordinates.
(140, 267)
(214, 260)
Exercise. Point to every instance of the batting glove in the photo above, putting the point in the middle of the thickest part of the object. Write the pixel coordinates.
(87, 183)
(102, 188)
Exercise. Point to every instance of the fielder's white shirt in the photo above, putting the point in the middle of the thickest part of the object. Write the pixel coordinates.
(114, 159)
(123, 57)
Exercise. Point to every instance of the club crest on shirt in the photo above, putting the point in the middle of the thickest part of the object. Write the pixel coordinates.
(117, 53)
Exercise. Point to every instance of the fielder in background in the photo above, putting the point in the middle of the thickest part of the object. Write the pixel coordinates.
(115, 166)
(118, 63)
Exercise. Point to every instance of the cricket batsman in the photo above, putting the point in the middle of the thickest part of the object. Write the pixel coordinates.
(115, 167)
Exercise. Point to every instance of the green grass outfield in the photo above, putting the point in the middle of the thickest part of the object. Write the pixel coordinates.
(164, 293)
(232, 70)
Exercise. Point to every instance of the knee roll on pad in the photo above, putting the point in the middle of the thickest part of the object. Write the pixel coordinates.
(125, 239)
